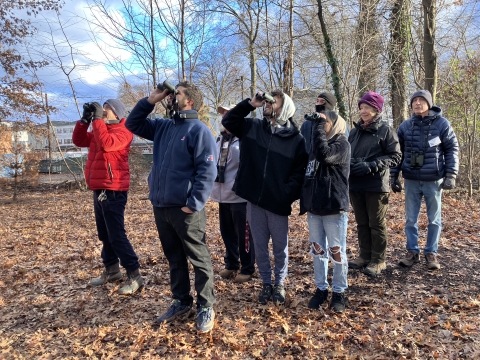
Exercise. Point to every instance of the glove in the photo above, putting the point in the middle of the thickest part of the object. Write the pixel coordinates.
(87, 114)
(363, 168)
(395, 184)
(449, 182)
(98, 112)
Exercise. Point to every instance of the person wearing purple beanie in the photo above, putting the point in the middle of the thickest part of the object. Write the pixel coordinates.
(375, 149)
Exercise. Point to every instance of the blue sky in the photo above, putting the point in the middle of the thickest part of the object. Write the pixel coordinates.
(92, 77)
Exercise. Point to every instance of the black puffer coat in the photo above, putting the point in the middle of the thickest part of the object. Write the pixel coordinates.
(376, 142)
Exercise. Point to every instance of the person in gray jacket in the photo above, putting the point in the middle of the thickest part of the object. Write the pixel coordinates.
(232, 209)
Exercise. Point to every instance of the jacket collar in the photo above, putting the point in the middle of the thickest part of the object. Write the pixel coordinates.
(373, 127)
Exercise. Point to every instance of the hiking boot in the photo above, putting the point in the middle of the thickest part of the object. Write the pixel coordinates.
(226, 273)
(432, 262)
(176, 309)
(241, 278)
(358, 263)
(265, 294)
(374, 269)
(318, 299)
(111, 273)
(133, 283)
(338, 302)
(411, 258)
(278, 297)
(206, 319)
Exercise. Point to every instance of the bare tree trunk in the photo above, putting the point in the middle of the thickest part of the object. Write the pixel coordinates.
(253, 68)
(429, 53)
(152, 39)
(398, 58)
(182, 40)
(49, 129)
(367, 46)
(333, 62)
(288, 62)
(268, 50)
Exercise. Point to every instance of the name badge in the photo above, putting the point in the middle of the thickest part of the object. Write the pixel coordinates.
(434, 142)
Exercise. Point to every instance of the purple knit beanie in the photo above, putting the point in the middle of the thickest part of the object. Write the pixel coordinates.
(373, 99)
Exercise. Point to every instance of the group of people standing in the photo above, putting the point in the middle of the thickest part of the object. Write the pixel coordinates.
(255, 170)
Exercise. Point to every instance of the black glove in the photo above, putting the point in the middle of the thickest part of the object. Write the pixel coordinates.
(98, 112)
(87, 114)
(363, 168)
(395, 184)
(449, 182)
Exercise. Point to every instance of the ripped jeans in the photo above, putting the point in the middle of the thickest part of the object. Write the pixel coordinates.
(329, 231)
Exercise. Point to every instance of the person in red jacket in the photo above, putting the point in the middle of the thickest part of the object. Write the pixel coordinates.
(108, 175)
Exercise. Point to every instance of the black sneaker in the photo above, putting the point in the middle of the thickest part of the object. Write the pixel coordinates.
(265, 294)
(176, 309)
(278, 297)
(338, 302)
(318, 299)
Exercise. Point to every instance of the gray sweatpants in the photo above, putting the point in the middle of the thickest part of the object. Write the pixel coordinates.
(264, 224)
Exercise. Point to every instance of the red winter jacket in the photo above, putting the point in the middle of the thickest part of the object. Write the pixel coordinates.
(107, 163)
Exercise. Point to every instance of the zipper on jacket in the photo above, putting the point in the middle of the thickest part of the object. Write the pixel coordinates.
(265, 169)
(110, 172)
(169, 149)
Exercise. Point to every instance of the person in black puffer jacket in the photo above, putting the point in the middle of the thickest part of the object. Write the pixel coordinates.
(325, 198)
(375, 149)
(430, 164)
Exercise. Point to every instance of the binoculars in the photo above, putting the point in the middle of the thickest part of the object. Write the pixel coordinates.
(265, 96)
(167, 85)
(220, 174)
(312, 117)
(417, 159)
(89, 107)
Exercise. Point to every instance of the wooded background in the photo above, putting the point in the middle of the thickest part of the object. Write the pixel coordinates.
(233, 48)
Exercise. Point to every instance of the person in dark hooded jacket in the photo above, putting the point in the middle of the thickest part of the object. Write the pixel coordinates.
(375, 148)
(270, 177)
(430, 165)
(325, 198)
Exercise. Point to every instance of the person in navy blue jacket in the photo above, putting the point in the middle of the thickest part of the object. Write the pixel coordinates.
(429, 165)
(181, 180)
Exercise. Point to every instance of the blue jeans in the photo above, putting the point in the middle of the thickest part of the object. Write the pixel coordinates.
(329, 231)
(431, 191)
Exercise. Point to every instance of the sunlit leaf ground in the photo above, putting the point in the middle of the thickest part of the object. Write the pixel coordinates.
(49, 251)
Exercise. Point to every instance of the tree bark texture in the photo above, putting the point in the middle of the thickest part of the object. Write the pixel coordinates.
(429, 53)
(333, 62)
(367, 47)
(398, 53)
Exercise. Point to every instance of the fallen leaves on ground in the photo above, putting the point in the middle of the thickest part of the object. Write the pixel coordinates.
(47, 311)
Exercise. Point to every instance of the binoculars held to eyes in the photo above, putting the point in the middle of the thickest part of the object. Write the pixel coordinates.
(265, 96)
(312, 117)
(89, 107)
(167, 85)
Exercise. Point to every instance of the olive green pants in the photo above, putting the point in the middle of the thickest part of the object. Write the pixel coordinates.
(370, 210)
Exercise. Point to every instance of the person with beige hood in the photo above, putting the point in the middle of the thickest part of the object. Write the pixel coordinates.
(325, 200)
